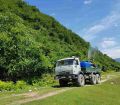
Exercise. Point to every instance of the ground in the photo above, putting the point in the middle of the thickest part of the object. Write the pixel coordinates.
(107, 93)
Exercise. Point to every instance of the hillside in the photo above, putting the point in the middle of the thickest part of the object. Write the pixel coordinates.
(31, 42)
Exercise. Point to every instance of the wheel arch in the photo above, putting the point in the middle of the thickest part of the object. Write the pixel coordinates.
(81, 73)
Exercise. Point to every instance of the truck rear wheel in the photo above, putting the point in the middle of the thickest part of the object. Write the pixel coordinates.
(98, 78)
(93, 79)
(81, 80)
(63, 82)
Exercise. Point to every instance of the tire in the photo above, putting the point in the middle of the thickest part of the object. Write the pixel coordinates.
(63, 83)
(98, 78)
(80, 80)
(93, 79)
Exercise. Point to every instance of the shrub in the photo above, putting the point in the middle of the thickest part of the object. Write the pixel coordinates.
(45, 80)
(6, 86)
(9, 86)
(21, 85)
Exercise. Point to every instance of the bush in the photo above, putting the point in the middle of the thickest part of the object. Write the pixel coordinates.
(45, 80)
(9, 86)
(21, 85)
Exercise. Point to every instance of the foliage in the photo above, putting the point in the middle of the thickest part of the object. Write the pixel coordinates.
(21, 85)
(6, 86)
(31, 42)
(9, 86)
(45, 80)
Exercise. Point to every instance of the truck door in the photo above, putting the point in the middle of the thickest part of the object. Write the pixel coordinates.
(76, 66)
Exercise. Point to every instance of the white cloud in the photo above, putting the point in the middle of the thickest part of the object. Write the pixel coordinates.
(112, 52)
(86, 2)
(104, 24)
(110, 47)
(108, 43)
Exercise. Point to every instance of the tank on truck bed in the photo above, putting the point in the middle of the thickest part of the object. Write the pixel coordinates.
(87, 66)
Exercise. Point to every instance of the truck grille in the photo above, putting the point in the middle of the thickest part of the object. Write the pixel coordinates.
(64, 73)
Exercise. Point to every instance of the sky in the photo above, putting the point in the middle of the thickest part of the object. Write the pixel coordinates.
(96, 21)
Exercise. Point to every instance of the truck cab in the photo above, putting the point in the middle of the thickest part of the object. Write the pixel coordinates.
(68, 66)
(73, 70)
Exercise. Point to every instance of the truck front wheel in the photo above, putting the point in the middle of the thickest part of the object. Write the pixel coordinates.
(81, 80)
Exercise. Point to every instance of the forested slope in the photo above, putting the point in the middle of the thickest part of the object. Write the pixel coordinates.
(30, 42)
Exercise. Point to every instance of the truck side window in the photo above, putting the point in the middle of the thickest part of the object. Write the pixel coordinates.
(76, 62)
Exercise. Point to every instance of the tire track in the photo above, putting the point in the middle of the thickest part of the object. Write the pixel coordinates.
(37, 97)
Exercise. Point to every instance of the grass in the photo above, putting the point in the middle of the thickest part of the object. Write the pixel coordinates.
(106, 94)
(94, 95)
(6, 98)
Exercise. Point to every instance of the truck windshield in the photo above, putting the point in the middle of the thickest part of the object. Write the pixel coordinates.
(65, 62)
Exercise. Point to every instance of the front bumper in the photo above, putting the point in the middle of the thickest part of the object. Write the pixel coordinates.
(69, 77)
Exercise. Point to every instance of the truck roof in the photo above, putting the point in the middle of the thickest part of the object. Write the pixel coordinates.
(66, 58)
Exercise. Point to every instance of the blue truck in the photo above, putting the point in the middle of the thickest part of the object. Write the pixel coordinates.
(79, 72)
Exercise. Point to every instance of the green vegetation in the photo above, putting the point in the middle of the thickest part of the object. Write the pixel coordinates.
(105, 94)
(31, 42)
(10, 86)
(46, 80)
